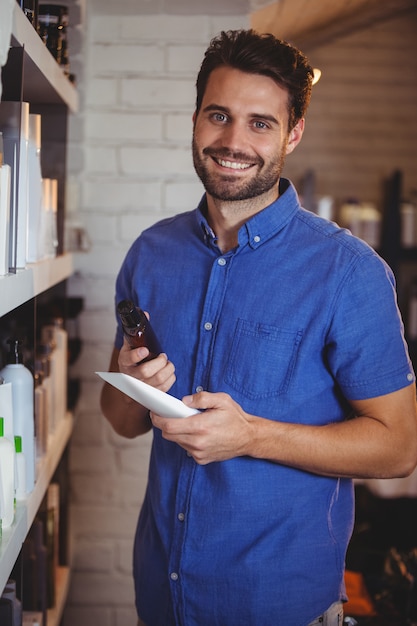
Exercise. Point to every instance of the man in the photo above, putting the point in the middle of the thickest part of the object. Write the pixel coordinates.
(283, 330)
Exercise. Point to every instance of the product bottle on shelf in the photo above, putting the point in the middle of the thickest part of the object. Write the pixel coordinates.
(9, 594)
(6, 408)
(20, 490)
(21, 378)
(14, 124)
(7, 479)
(55, 335)
(40, 409)
(46, 352)
(49, 226)
(137, 329)
(29, 9)
(34, 246)
(5, 177)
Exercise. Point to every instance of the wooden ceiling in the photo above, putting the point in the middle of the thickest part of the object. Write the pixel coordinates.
(309, 23)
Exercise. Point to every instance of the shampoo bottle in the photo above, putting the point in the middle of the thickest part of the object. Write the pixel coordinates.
(137, 329)
(7, 479)
(22, 381)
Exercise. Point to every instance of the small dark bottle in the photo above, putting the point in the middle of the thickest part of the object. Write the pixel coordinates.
(137, 329)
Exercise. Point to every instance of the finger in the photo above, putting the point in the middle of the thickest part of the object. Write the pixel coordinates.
(207, 400)
(130, 359)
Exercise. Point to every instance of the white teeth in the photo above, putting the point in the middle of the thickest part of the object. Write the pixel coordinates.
(233, 165)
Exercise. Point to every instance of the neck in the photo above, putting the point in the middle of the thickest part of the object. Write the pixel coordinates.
(227, 217)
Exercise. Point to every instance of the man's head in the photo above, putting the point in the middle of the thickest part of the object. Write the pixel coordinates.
(262, 54)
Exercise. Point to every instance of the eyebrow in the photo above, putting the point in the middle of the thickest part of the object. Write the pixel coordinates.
(262, 116)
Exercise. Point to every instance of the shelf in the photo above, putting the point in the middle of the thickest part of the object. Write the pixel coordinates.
(13, 538)
(44, 79)
(16, 289)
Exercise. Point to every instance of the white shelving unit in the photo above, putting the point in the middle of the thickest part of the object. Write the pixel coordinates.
(34, 76)
(16, 289)
(13, 537)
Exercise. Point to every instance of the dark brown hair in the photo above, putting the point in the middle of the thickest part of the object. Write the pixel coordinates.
(264, 54)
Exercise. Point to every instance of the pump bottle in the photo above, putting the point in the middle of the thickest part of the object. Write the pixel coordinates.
(22, 381)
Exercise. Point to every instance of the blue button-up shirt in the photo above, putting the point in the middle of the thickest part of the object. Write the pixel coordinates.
(295, 321)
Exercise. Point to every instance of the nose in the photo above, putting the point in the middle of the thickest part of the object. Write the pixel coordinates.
(233, 137)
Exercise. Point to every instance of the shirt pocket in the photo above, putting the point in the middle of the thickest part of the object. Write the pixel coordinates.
(262, 359)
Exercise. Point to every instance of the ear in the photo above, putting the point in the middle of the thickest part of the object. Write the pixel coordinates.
(295, 135)
(194, 116)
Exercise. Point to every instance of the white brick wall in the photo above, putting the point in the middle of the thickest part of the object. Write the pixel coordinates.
(130, 164)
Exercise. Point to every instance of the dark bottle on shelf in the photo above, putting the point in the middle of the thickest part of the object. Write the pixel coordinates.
(137, 329)
(30, 9)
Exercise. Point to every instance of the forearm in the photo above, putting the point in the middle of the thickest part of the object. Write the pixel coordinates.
(362, 447)
(127, 417)
(379, 442)
(332, 450)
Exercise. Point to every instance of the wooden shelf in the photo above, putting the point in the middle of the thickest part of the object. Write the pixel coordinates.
(13, 538)
(16, 289)
(44, 79)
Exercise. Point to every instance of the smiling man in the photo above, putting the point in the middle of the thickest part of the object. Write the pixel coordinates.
(283, 330)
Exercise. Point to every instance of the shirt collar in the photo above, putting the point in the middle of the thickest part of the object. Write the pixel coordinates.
(263, 225)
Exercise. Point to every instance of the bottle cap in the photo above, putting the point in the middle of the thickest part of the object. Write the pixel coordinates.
(129, 313)
(18, 443)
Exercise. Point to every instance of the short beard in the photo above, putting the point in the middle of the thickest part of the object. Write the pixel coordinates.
(226, 187)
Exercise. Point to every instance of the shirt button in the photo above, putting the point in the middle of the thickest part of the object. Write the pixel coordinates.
(181, 517)
(173, 576)
(208, 325)
(410, 377)
(257, 239)
(221, 261)
(199, 388)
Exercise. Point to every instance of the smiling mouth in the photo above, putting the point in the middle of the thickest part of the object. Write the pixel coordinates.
(232, 165)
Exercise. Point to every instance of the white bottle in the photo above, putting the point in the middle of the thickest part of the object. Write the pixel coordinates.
(41, 424)
(20, 488)
(23, 410)
(6, 408)
(7, 478)
(56, 335)
(34, 252)
(14, 120)
(5, 177)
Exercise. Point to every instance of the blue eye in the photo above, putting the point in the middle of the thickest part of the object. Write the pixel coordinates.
(260, 125)
(219, 117)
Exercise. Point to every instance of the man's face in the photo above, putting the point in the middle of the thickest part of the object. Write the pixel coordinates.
(241, 135)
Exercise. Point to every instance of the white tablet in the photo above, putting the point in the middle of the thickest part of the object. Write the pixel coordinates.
(153, 399)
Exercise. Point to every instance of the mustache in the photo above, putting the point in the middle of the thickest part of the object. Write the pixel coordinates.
(226, 154)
